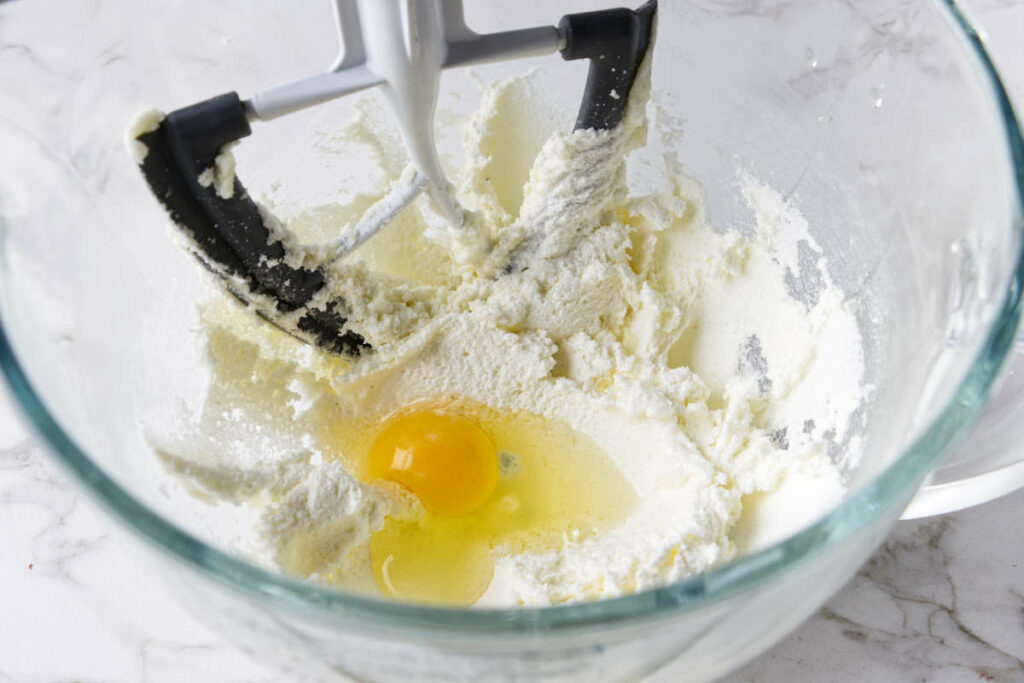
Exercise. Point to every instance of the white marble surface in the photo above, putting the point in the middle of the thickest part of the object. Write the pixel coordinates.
(942, 600)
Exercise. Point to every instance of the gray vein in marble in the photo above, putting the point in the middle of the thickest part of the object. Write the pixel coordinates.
(941, 600)
(927, 598)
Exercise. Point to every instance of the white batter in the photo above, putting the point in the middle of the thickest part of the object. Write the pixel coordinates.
(683, 352)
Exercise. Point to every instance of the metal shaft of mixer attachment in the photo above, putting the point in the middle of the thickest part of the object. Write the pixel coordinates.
(349, 73)
(403, 47)
(411, 73)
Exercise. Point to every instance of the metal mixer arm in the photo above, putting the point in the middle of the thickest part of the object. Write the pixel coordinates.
(352, 72)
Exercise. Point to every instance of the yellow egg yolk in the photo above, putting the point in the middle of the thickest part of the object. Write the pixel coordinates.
(490, 483)
(445, 460)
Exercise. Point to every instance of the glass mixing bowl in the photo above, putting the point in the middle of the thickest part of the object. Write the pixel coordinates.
(884, 123)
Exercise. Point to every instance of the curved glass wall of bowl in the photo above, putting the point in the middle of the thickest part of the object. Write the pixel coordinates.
(989, 462)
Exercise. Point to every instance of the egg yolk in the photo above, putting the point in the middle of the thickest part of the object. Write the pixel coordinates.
(445, 460)
(490, 483)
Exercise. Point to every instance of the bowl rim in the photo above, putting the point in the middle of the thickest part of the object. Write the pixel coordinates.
(865, 505)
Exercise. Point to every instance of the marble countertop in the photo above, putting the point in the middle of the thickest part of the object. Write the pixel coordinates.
(941, 601)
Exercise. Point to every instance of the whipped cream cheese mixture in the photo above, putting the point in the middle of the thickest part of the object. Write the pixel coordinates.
(703, 386)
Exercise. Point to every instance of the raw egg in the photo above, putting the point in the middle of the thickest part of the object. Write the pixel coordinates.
(489, 483)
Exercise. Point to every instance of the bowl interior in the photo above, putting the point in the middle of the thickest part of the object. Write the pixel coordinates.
(877, 125)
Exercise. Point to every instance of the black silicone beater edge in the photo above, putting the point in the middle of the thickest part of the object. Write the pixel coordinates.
(229, 233)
